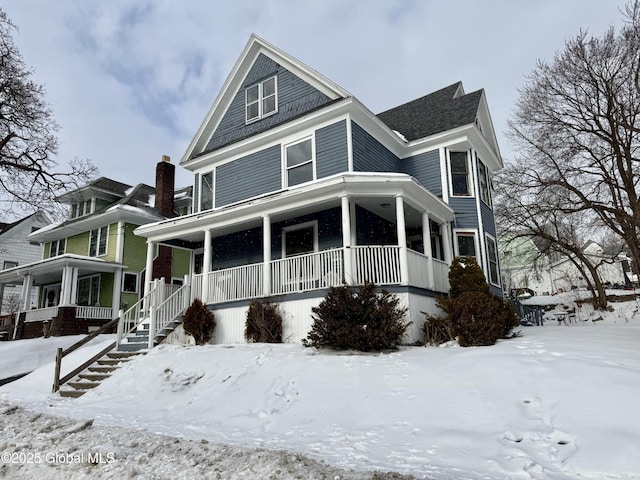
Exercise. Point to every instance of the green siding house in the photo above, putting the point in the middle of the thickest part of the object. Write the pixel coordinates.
(93, 265)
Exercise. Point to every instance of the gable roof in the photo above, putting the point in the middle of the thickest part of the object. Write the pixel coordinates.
(5, 227)
(443, 110)
(254, 48)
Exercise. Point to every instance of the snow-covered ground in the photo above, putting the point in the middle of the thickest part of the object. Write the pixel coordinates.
(559, 402)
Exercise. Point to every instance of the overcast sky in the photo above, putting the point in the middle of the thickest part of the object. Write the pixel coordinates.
(129, 81)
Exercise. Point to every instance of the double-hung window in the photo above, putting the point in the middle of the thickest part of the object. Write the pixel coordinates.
(98, 241)
(492, 257)
(206, 195)
(483, 180)
(261, 99)
(57, 247)
(460, 183)
(299, 162)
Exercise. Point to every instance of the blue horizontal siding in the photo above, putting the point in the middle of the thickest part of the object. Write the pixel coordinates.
(466, 215)
(332, 150)
(249, 176)
(425, 168)
(295, 98)
(369, 155)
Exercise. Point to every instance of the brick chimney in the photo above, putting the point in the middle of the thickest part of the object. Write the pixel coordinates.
(165, 178)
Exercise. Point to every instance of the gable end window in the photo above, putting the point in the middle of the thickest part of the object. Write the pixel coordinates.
(299, 162)
(98, 242)
(261, 100)
(460, 174)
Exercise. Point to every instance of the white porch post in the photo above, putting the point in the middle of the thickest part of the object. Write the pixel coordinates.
(266, 262)
(74, 286)
(27, 284)
(148, 268)
(402, 240)
(426, 243)
(206, 266)
(445, 231)
(66, 287)
(346, 239)
(117, 290)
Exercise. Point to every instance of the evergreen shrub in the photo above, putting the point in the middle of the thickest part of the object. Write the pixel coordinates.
(264, 322)
(199, 322)
(357, 319)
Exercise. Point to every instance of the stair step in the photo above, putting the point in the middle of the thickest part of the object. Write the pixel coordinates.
(138, 339)
(133, 347)
(101, 369)
(72, 393)
(110, 361)
(123, 355)
(94, 377)
(83, 385)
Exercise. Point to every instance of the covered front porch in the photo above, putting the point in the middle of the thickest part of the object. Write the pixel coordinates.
(76, 294)
(354, 228)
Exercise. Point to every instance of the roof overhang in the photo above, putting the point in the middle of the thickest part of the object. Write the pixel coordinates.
(295, 201)
(50, 270)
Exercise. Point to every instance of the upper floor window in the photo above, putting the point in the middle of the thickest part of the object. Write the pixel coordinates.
(206, 191)
(98, 241)
(299, 161)
(80, 209)
(483, 180)
(9, 264)
(261, 100)
(57, 247)
(460, 183)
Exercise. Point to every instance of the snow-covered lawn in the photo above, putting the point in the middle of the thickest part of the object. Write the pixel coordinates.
(559, 402)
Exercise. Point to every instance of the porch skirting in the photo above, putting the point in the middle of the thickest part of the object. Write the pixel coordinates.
(297, 313)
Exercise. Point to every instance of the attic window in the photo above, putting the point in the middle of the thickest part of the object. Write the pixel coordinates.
(81, 209)
(261, 100)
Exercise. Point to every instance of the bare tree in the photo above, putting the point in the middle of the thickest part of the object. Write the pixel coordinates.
(28, 142)
(576, 128)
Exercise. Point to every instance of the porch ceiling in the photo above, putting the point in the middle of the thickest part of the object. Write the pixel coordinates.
(369, 190)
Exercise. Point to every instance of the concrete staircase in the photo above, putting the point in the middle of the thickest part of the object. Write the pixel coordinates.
(139, 340)
(96, 373)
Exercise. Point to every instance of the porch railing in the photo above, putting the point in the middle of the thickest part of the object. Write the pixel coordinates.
(196, 286)
(41, 314)
(100, 313)
(135, 315)
(237, 283)
(307, 272)
(418, 269)
(168, 310)
(440, 275)
(377, 264)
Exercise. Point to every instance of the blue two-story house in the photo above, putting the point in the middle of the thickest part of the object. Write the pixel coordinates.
(299, 187)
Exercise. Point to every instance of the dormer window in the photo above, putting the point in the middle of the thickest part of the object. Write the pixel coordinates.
(81, 209)
(261, 100)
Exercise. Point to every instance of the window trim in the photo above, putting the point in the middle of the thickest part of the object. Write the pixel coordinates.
(201, 190)
(470, 189)
(312, 161)
(11, 264)
(467, 233)
(58, 242)
(100, 231)
(260, 100)
(488, 238)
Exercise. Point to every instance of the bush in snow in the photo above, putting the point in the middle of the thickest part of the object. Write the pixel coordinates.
(264, 322)
(473, 314)
(199, 322)
(362, 319)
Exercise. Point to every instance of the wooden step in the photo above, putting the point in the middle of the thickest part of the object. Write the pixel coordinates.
(123, 355)
(101, 369)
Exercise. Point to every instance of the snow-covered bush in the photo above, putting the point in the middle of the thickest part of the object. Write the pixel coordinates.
(357, 319)
(473, 314)
(264, 322)
(199, 322)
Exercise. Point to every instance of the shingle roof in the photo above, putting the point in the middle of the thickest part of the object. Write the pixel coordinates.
(434, 113)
